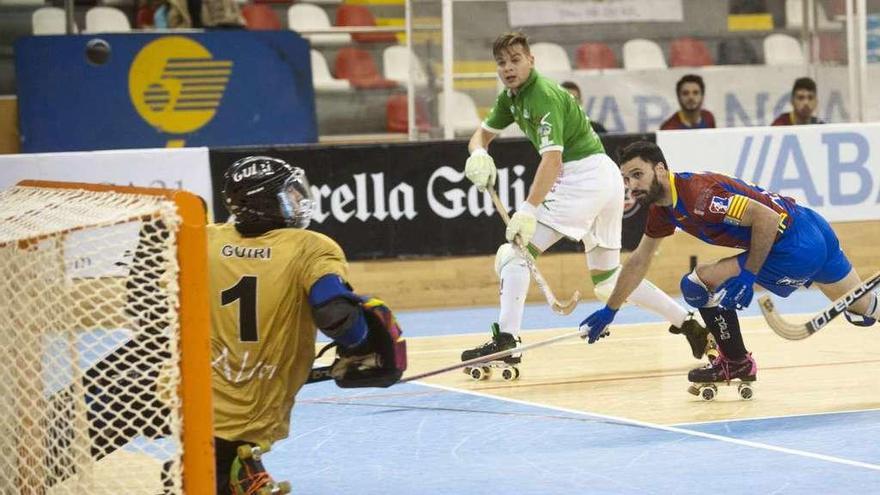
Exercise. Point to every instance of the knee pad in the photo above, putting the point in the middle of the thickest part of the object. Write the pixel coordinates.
(600, 258)
(604, 288)
(504, 256)
(694, 291)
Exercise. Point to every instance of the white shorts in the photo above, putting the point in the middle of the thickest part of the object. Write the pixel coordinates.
(586, 203)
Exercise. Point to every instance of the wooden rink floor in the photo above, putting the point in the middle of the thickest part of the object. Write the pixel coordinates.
(640, 373)
(612, 417)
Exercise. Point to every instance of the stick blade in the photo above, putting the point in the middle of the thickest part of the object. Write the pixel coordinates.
(569, 306)
(782, 328)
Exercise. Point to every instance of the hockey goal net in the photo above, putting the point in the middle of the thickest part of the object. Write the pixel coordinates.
(104, 353)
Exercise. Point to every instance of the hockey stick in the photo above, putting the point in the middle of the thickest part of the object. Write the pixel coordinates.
(322, 373)
(498, 355)
(560, 308)
(799, 331)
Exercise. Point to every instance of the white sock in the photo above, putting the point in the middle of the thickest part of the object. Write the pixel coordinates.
(649, 297)
(514, 288)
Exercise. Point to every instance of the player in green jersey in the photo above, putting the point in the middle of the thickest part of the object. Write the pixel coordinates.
(577, 193)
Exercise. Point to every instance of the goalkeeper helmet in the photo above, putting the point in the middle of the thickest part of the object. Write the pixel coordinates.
(268, 192)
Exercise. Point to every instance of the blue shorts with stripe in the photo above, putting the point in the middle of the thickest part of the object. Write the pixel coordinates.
(808, 251)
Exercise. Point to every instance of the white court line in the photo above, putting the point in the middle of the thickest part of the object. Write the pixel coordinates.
(671, 429)
(783, 416)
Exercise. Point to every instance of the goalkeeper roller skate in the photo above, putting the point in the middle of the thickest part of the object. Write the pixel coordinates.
(249, 477)
(705, 380)
(501, 341)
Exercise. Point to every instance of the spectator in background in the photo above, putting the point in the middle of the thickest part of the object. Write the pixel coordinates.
(690, 91)
(803, 104)
(575, 91)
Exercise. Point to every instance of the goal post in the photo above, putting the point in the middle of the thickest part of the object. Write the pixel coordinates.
(105, 381)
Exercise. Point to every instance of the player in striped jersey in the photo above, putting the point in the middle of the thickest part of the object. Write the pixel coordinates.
(785, 245)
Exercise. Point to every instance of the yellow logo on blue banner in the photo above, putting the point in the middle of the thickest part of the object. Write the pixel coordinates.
(176, 85)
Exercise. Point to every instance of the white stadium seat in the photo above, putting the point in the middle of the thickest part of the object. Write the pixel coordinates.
(305, 17)
(550, 57)
(106, 20)
(782, 49)
(465, 118)
(643, 54)
(321, 77)
(395, 66)
(49, 20)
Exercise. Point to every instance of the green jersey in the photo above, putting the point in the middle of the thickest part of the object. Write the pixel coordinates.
(549, 116)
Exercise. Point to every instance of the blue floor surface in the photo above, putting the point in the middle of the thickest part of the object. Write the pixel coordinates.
(420, 439)
(416, 439)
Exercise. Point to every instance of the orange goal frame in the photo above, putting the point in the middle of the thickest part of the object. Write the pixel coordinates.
(195, 328)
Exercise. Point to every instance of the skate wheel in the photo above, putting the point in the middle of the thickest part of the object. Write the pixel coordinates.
(476, 373)
(487, 372)
(467, 370)
(694, 390)
(282, 488)
(745, 391)
(515, 373)
(509, 374)
(708, 392)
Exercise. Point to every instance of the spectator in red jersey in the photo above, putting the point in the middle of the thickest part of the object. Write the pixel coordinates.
(803, 104)
(690, 90)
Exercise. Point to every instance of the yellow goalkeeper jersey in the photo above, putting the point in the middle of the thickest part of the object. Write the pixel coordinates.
(263, 334)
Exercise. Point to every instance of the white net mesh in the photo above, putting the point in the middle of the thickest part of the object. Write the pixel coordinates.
(89, 359)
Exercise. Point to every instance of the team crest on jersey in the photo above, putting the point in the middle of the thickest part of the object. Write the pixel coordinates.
(719, 205)
(544, 129)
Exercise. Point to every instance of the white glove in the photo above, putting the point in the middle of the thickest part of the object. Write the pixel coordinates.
(522, 224)
(480, 169)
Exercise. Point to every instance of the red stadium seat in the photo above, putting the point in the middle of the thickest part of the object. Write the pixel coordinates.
(396, 114)
(260, 17)
(359, 15)
(689, 52)
(595, 56)
(831, 48)
(360, 69)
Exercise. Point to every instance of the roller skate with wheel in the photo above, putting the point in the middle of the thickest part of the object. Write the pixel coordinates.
(698, 337)
(743, 373)
(249, 477)
(501, 341)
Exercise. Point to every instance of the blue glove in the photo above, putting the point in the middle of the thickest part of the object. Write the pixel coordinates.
(597, 322)
(738, 290)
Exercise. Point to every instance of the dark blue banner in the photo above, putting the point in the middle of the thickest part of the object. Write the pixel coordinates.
(110, 91)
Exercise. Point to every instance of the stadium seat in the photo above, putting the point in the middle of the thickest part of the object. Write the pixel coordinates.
(831, 48)
(737, 51)
(396, 114)
(642, 54)
(359, 68)
(360, 15)
(782, 49)
(260, 17)
(595, 56)
(305, 17)
(550, 57)
(49, 20)
(106, 20)
(465, 117)
(689, 52)
(395, 65)
(322, 80)
(794, 16)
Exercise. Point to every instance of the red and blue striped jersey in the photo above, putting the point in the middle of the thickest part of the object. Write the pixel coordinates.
(709, 206)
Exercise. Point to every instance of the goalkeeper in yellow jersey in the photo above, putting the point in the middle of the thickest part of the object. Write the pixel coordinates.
(272, 283)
